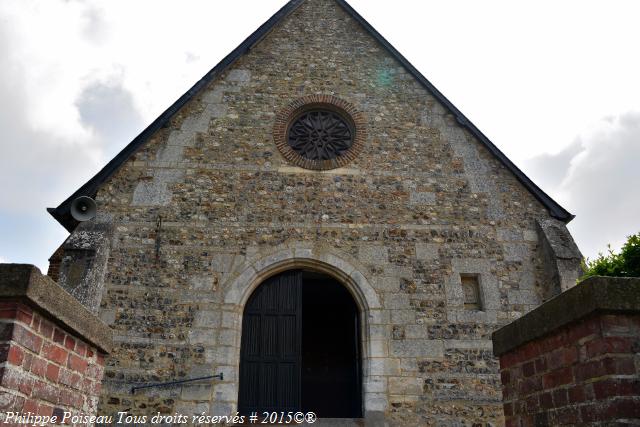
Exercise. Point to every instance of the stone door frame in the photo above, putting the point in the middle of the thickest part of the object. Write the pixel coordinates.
(373, 341)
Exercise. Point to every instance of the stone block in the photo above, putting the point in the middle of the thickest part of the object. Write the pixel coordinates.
(526, 297)
(220, 409)
(472, 316)
(203, 370)
(181, 139)
(226, 392)
(416, 332)
(222, 262)
(207, 319)
(230, 320)
(516, 251)
(214, 96)
(385, 366)
(426, 349)
(221, 355)
(203, 283)
(169, 154)
(375, 401)
(530, 236)
(202, 336)
(375, 384)
(194, 124)
(370, 295)
(403, 317)
(201, 392)
(396, 301)
(228, 337)
(373, 254)
(335, 261)
(379, 317)
(108, 316)
(378, 348)
(468, 344)
(386, 284)
(151, 194)
(405, 386)
(215, 111)
(409, 366)
(237, 75)
(509, 235)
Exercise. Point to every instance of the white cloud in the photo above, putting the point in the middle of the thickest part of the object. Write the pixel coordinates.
(597, 179)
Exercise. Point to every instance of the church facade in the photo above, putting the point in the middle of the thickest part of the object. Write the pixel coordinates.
(320, 225)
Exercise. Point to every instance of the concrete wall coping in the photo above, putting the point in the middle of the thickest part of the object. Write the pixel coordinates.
(596, 294)
(25, 282)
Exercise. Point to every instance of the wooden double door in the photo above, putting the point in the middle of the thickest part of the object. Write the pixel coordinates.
(300, 348)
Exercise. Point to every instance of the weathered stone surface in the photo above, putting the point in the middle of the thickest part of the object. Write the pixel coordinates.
(560, 254)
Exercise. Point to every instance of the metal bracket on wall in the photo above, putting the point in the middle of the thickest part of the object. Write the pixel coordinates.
(170, 383)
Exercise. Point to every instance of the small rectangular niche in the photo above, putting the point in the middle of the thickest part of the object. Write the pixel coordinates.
(471, 290)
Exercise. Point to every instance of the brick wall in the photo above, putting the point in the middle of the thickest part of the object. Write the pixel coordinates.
(51, 349)
(584, 372)
(47, 368)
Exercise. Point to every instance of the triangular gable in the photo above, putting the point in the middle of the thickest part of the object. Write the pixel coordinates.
(62, 213)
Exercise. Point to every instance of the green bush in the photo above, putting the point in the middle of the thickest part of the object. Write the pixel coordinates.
(624, 264)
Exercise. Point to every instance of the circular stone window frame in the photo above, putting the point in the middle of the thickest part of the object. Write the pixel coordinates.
(348, 112)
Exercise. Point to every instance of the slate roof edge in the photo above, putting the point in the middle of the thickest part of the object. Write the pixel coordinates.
(90, 188)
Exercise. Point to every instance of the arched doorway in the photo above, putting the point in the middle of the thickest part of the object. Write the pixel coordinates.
(300, 347)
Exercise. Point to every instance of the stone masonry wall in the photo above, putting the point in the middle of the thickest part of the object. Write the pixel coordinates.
(584, 368)
(209, 201)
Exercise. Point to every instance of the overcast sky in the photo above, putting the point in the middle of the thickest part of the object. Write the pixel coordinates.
(554, 84)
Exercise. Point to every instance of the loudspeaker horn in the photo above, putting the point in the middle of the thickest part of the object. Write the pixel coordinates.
(83, 209)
